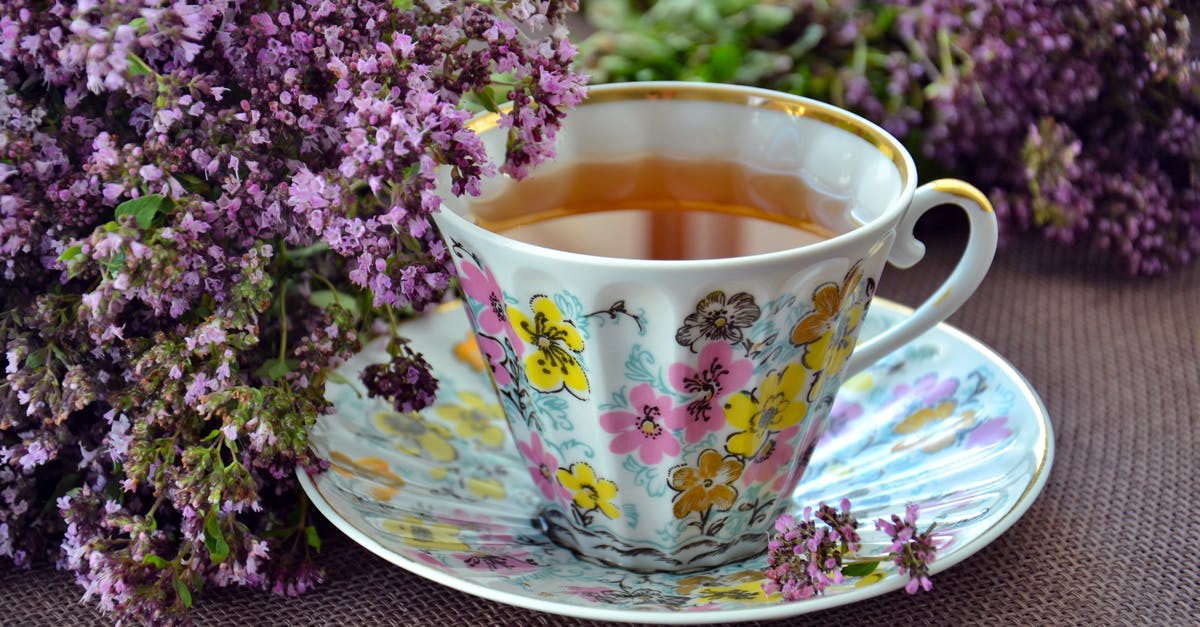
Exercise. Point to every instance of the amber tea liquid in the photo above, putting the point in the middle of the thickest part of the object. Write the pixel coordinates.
(662, 208)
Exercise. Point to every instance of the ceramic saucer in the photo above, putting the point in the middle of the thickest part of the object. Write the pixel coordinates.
(944, 422)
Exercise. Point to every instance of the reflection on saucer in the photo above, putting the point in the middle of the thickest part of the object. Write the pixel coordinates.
(943, 422)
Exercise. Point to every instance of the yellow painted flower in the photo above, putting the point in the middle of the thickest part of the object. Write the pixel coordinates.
(750, 592)
(924, 416)
(553, 365)
(870, 579)
(779, 404)
(933, 428)
(374, 469)
(861, 382)
(818, 330)
(417, 436)
(423, 534)
(745, 586)
(587, 492)
(705, 485)
(486, 487)
(467, 351)
(475, 418)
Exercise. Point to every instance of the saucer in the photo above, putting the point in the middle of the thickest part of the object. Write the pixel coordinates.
(944, 422)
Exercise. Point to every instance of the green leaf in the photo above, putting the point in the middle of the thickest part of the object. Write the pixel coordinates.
(138, 24)
(325, 298)
(276, 369)
(485, 98)
(117, 263)
(402, 5)
(314, 540)
(154, 561)
(860, 569)
(137, 67)
(214, 541)
(36, 358)
(723, 61)
(181, 589)
(71, 253)
(300, 254)
(193, 183)
(142, 209)
(884, 19)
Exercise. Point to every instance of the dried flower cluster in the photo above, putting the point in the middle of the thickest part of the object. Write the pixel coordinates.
(1080, 120)
(202, 206)
(806, 556)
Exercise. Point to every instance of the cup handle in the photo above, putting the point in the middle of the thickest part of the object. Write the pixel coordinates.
(907, 250)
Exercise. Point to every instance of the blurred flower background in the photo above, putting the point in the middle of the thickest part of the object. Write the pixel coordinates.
(1078, 119)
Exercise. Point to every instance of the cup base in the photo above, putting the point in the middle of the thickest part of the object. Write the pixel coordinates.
(604, 548)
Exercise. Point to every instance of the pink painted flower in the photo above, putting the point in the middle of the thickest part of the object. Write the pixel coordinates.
(480, 285)
(645, 426)
(543, 467)
(841, 416)
(494, 353)
(928, 389)
(771, 462)
(990, 432)
(717, 374)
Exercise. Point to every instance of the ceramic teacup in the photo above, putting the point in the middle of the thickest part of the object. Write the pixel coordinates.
(667, 408)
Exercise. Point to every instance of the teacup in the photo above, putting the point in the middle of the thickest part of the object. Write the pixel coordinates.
(667, 408)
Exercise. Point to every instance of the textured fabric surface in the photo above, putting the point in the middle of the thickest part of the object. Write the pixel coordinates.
(1111, 539)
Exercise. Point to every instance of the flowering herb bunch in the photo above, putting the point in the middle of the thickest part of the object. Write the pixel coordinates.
(1081, 120)
(806, 556)
(1078, 119)
(202, 207)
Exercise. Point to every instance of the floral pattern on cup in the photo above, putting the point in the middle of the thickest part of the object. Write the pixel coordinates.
(553, 364)
(705, 487)
(485, 541)
(713, 434)
(827, 332)
(644, 426)
(717, 374)
(718, 318)
(589, 493)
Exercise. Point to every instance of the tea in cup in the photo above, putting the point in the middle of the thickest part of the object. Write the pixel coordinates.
(668, 307)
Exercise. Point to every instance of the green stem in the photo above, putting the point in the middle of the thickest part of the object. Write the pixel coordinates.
(391, 316)
(283, 326)
(336, 293)
(154, 507)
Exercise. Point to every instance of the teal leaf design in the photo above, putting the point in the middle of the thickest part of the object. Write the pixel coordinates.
(652, 478)
(639, 368)
(620, 400)
(572, 309)
(553, 408)
(921, 352)
(572, 445)
(629, 513)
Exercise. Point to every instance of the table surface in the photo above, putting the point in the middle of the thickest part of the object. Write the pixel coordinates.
(1110, 540)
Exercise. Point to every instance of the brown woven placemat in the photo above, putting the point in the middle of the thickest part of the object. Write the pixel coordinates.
(1111, 540)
